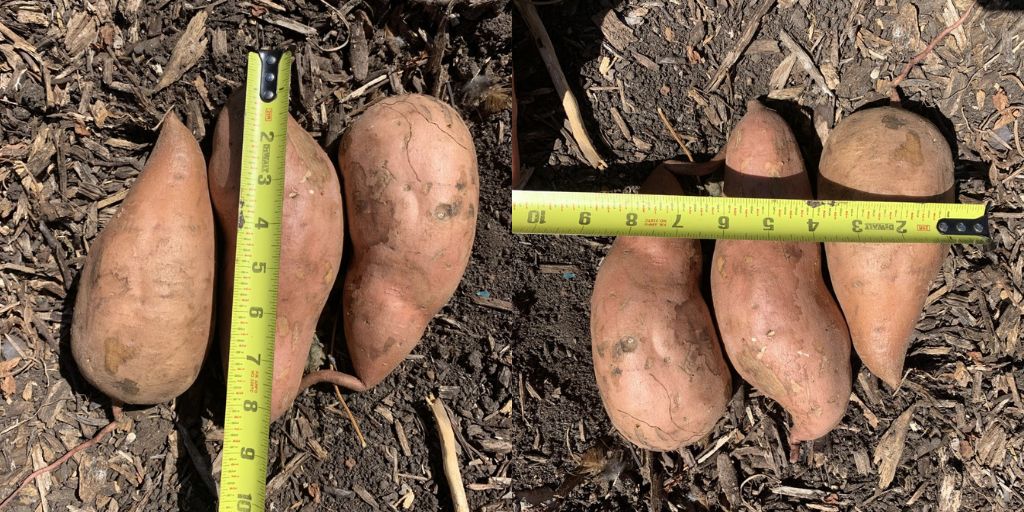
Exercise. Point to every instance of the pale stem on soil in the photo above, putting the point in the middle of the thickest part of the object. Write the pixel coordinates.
(674, 134)
(448, 455)
(572, 109)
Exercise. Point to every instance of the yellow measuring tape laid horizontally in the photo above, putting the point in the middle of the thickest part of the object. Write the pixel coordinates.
(254, 303)
(584, 213)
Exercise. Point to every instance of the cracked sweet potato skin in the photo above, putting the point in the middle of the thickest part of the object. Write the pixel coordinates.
(143, 314)
(312, 239)
(659, 367)
(409, 170)
(781, 328)
(884, 154)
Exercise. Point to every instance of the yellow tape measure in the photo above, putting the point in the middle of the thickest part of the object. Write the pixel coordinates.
(582, 213)
(254, 304)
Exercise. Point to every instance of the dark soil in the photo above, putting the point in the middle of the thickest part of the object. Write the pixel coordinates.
(964, 375)
(78, 105)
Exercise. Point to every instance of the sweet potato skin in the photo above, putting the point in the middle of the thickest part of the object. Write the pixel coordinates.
(781, 328)
(143, 314)
(659, 367)
(312, 239)
(884, 154)
(409, 170)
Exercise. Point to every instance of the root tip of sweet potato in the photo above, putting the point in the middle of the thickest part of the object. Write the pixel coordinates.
(340, 379)
(893, 380)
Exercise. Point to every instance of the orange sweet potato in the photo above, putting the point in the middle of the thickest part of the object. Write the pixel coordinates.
(144, 311)
(780, 325)
(312, 238)
(884, 154)
(659, 367)
(409, 170)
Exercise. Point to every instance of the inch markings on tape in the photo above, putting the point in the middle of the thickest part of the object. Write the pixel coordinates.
(595, 214)
(254, 301)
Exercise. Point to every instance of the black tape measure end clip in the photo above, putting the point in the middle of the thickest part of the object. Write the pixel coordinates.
(968, 227)
(268, 79)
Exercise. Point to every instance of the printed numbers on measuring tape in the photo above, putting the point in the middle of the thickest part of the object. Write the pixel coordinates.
(575, 213)
(254, 297)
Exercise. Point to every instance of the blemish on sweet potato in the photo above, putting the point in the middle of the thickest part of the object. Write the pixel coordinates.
(116, 353)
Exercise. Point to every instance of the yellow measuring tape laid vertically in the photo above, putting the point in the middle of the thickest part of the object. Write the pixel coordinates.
(584, 213)
(254, 303)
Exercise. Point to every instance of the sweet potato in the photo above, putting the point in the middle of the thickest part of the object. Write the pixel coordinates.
(780, 325)
(312, 238)
(144, 311)
(884, 154)
(409, 170)
(659, 367)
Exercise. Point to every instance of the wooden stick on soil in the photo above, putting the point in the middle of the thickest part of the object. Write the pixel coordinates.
(746, 37)
(349, 412)
(99, 436)
(334, 332)
(674, 134)
(448, 455)
(572, 109)
(805, 61)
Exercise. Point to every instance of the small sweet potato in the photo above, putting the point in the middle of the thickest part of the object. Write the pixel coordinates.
(312, 238)
(144, 311)
(659, 367)
(780, 325)
(409, 170)
(884, 154)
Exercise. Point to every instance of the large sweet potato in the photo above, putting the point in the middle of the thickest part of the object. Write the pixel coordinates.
(884, 154)
(144, 310)
(312, 238)
(657, 359)
(411, 191)
(780, 325)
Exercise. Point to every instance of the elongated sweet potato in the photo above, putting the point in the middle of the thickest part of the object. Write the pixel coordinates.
(312, 238)
(411, 191)
(659, 367)
(884, 154)
(144, 311)
(780, 325)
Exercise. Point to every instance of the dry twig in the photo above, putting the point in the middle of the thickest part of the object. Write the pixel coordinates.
(746, 37)
(448, 455)
(572, 110)
(805, 61)
(351, 418)
(674, 134)
(359, 433)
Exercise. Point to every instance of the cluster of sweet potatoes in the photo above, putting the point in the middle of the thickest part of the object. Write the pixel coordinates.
(156, 289)
(656, 347)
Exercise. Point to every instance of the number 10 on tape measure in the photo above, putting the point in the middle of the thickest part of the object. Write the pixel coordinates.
(254, 302)
(583, 213)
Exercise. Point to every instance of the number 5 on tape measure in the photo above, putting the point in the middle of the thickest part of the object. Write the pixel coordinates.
(254, 303)
(580, 213)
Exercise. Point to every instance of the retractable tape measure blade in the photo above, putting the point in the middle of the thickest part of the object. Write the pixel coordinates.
(595, 214)
(254, 303)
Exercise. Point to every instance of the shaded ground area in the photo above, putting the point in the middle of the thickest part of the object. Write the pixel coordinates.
(959, 407)
(81, 87)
